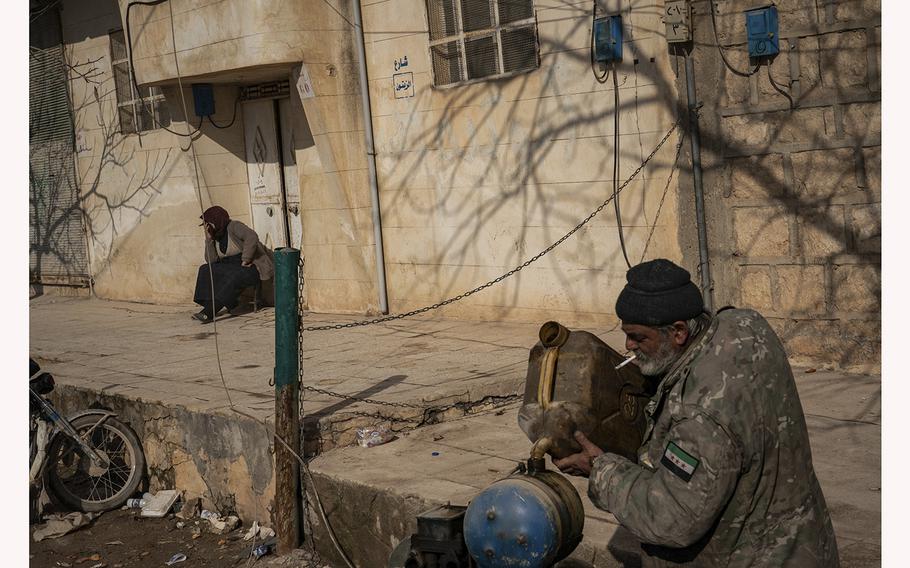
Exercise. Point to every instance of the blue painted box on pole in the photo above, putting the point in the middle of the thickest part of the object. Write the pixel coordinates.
(761, 31)
(608, 39)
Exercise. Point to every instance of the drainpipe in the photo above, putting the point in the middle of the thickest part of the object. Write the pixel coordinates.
(371, 157)
(707, 288)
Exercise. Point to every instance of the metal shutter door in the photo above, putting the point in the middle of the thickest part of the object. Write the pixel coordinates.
(57, 247)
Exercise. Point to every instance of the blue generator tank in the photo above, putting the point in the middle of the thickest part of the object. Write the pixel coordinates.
(531, 519)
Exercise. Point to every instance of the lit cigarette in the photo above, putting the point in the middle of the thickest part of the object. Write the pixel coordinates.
(624, 363)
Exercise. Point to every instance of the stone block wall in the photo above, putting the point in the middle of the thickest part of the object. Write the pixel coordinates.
(794, 194)
(223, 459)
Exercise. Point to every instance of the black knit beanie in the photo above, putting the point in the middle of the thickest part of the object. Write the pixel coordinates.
(658, 292)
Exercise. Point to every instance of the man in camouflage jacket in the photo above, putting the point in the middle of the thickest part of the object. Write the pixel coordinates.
(724, 476)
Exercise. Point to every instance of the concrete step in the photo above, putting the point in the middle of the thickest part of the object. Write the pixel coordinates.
(372, 496)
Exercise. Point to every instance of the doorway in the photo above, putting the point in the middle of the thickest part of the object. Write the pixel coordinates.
(270, 137)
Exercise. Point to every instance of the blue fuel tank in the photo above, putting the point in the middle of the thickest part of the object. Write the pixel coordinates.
(531, 519)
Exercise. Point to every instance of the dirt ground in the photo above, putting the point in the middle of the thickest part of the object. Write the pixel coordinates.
(121, 539)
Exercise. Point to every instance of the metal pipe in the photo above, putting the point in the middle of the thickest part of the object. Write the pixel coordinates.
(541, 447)
(707, 288)
(371, 158)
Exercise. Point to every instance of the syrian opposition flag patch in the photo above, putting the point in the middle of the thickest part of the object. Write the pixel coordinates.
(679, 462)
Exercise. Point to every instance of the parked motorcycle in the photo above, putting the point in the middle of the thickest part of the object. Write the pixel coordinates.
(90, 462)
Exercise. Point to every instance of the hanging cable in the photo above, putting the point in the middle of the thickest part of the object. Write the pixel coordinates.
(622, 241)
(514, 270)
(233, 118)
(778, 88)
(602, 78)
(660, 205)
(302, 462)
(720, 49)
(129, 52)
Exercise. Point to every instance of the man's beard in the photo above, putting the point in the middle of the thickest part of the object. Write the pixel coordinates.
(651, 366)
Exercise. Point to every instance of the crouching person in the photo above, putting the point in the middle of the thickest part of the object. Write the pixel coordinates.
(235, 259)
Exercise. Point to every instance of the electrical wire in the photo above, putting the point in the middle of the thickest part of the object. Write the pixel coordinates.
(233, 118)
(192, 147)
(215, 324)
(602, 78)
(514, 270)
(622, 240)
(275, 434)
(309, 476)
(720, 49)
(129, 45)
(34, 16)
(660, 206)
(182, 149)
(778, 88)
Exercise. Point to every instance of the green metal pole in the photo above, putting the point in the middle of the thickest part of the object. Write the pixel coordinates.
(287, 411)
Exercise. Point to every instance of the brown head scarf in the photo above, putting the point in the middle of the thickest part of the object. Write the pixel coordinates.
(218, 217)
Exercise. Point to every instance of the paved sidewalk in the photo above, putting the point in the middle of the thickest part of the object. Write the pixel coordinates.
(158, 354)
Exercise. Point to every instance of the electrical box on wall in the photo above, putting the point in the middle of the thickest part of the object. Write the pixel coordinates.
(678, 21)
(608, 39)
(204, 99)
(761, 31)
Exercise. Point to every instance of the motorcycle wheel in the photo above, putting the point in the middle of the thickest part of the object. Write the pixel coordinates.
(83, 485)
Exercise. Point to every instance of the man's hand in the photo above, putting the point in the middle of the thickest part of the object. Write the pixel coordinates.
(246, 263)
(580, 463)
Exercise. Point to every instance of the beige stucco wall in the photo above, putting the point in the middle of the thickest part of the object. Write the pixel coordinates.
(141, 200)
(476, 179)
(215, 36)
(236, 41)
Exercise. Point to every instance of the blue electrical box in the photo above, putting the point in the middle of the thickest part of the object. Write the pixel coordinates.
(204, 99)
(608, 39)
(761, 31)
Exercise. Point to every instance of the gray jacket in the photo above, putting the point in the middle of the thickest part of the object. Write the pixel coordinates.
(252, 250)
(724, 476)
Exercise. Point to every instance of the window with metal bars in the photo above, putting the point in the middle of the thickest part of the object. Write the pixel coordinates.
(136, 115)
(472, 40)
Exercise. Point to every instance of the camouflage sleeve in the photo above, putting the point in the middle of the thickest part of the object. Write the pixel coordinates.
(677, 502)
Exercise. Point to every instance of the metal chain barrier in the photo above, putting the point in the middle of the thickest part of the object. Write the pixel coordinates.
(660, 206)
(512, 272)
(358, 399)
(300, 266)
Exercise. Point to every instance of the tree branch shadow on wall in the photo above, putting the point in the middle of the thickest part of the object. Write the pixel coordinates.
(113, 185)
(506, 168)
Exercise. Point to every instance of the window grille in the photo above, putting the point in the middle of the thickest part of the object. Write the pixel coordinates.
(135, 115)
(472, 40)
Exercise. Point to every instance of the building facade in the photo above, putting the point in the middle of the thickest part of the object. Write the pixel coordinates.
(494, 136)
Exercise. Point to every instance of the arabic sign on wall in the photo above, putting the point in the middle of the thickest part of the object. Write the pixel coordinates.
(302, 80)
(403, 85)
